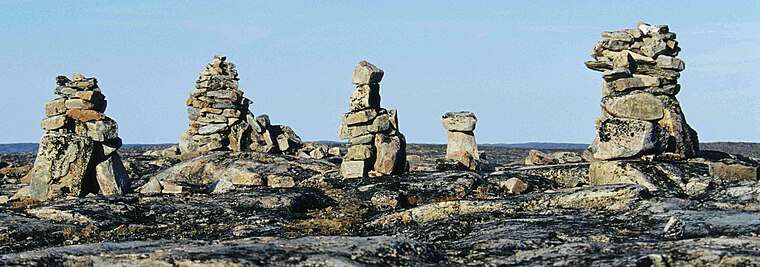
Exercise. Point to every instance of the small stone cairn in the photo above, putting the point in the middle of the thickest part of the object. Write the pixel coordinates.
(77, 156)
(221, 121)
(642, 117)
(375, 145)
(462, 150)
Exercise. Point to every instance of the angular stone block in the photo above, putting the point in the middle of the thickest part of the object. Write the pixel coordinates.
(366, 73)
(360, 152)
(54, 123)
(390, 158)
(639, 105)
(61, 166)
(365, 97)
(463, 148)
(55, 107)
(100, 131)
(359, 117)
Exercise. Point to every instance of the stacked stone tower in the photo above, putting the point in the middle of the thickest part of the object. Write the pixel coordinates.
(77, 155)
(642, 116)
(220, 119)
(375, 145)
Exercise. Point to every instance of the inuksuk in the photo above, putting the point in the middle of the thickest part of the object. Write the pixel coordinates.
(642, 117)
(461, 150)
(220, 119)
(375, 145)
(77, 156)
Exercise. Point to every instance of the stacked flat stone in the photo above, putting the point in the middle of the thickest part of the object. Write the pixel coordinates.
(642, 116)
(77, 155)
(220, 119)
(375, 145)
(461, 148)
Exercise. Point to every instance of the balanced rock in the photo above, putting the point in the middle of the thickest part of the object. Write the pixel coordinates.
(77, 156)
(375, 145)
(643, 117)
(462, 146)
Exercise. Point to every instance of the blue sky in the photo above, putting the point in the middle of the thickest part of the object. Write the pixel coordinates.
(517, 65)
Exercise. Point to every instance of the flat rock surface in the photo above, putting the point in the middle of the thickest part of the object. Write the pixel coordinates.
(423, 218)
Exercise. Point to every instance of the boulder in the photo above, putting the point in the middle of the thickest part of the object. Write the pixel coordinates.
(618, 138)
(619, 172)
(682, 139)
(354, 168)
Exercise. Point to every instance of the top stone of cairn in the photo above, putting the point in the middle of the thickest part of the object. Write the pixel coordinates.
(366, 73)
(462, 121)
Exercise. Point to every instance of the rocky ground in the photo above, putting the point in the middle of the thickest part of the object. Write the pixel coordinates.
(281, 210)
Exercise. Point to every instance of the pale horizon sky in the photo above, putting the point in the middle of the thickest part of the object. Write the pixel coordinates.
(517, 65)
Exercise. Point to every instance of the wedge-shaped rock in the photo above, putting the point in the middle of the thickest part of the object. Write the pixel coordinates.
(61, 166)
(638, 105)
(462, 121)
(683, 140)
(112, 177)
(618, 138)
(366, 73)
(391, 154)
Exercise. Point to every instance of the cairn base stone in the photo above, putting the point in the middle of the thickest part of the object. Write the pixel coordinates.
(463, 148)
(61, 166)
(626, 138)
(391, 154)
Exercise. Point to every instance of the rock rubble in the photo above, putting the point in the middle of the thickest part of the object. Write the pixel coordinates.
(77, 156)
(375, 145)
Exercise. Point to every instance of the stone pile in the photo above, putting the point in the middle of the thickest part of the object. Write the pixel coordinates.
(642, 116)
(221, 121)
(375, 145)
(462, 150)
(77, 156)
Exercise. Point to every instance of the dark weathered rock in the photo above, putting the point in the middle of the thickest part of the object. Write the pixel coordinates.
(61, 167)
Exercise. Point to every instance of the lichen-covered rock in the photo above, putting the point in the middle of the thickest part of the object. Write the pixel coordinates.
(61, 167)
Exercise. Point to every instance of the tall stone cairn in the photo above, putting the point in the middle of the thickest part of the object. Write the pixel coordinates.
(642, 116)
(375, 145)
(77, 156)
(461, 146)
(220, 119)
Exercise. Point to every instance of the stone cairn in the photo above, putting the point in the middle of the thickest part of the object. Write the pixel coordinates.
(462, 150)
(375, 145)
(221, 121)
(77, 156)
(642, 117)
